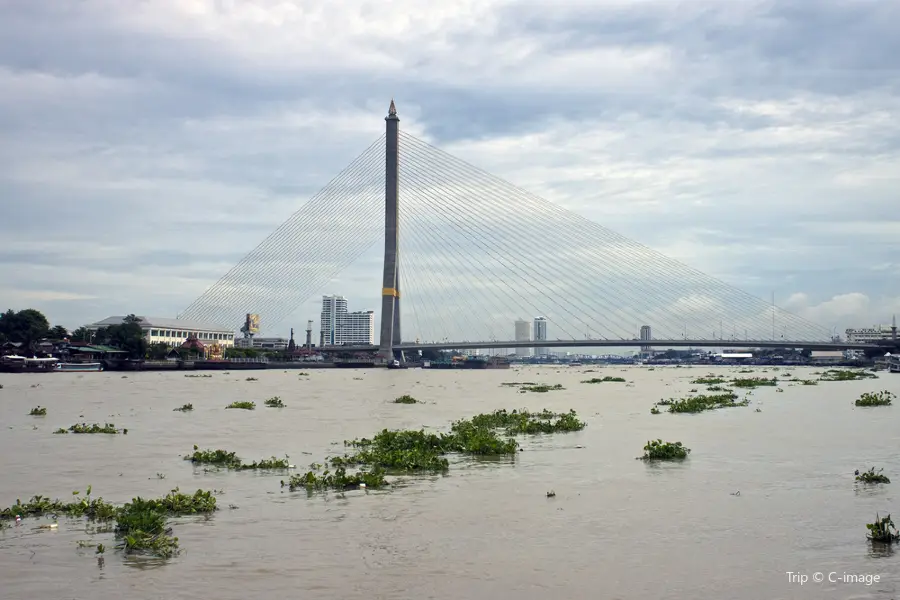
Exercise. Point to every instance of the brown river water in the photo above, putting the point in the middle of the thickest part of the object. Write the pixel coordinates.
(617, 528)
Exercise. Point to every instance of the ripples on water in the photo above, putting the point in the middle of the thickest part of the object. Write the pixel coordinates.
(617, 528)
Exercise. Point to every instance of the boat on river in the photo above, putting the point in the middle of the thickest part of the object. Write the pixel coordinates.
(893, 364)
(22, 364)
(79, 367)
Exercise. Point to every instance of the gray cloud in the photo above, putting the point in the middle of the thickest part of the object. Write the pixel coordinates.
(145, 151)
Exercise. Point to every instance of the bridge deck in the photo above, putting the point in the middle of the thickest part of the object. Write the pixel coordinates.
(809, 345)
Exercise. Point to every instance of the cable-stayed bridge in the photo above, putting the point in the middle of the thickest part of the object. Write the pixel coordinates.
(472, 254)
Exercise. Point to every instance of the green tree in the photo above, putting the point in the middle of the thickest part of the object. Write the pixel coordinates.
(58, 333)
(242, 353)
(26, 326)
(158, 351)
(128, 336)
(7, 321)
(82, 334)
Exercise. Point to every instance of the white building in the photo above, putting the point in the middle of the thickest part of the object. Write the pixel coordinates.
(870, 334)
(174, 332)
(357, 328)
(540, 334)
(333, 307)
(341, 327)
(523, 334)
(262, 343)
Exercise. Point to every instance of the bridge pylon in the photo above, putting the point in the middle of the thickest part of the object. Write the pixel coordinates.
(390, 288)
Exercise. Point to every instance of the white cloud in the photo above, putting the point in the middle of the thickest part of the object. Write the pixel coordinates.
(853, 309)
(145, 150)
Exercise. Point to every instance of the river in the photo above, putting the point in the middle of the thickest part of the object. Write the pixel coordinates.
(617, 527)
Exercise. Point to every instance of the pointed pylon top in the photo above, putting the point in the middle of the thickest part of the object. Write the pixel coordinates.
(392, 111)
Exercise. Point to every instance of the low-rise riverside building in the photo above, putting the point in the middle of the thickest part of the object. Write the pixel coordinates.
(174, 331)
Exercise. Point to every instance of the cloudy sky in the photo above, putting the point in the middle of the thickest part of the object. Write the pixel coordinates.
(146, 146)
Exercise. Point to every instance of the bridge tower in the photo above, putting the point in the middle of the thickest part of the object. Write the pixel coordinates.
(390, 293)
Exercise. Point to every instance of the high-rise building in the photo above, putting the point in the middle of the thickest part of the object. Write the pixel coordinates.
(357, 328)
(645, 337)
(540, 334)
(523, 334)
(341, 327)
(332, 308)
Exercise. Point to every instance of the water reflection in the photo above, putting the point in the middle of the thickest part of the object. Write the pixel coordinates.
(879, 550)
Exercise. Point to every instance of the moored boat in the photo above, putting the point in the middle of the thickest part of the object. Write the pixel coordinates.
(79, 367)
(21, 364)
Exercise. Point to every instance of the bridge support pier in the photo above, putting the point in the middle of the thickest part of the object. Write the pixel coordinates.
(390, 294)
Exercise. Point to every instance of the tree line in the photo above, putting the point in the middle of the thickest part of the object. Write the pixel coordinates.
(29, 327)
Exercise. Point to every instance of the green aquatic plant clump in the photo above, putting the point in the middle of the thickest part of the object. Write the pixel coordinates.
(606, 379)
(93, 428)
(872, 476)
(405, 399)
(660, 450)
(230, 460)
(518, 422)
(807, 382)
(273, 463)
(883, 530)
(184, 408)
(275, 402)
(754, 382)
(39, 506)
(409, 451)
(140, 524)
(708, 380)
(142, 530)
(882, 398)
(846, 375)
(219, 458)
(244, 404)
(38, 411)
(338, 480)
(541, 388)
(696, 404)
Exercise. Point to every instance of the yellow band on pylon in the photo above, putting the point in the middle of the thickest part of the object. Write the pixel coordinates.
(390, 292)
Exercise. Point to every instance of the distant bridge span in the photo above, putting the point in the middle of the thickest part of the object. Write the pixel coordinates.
(407, 347)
